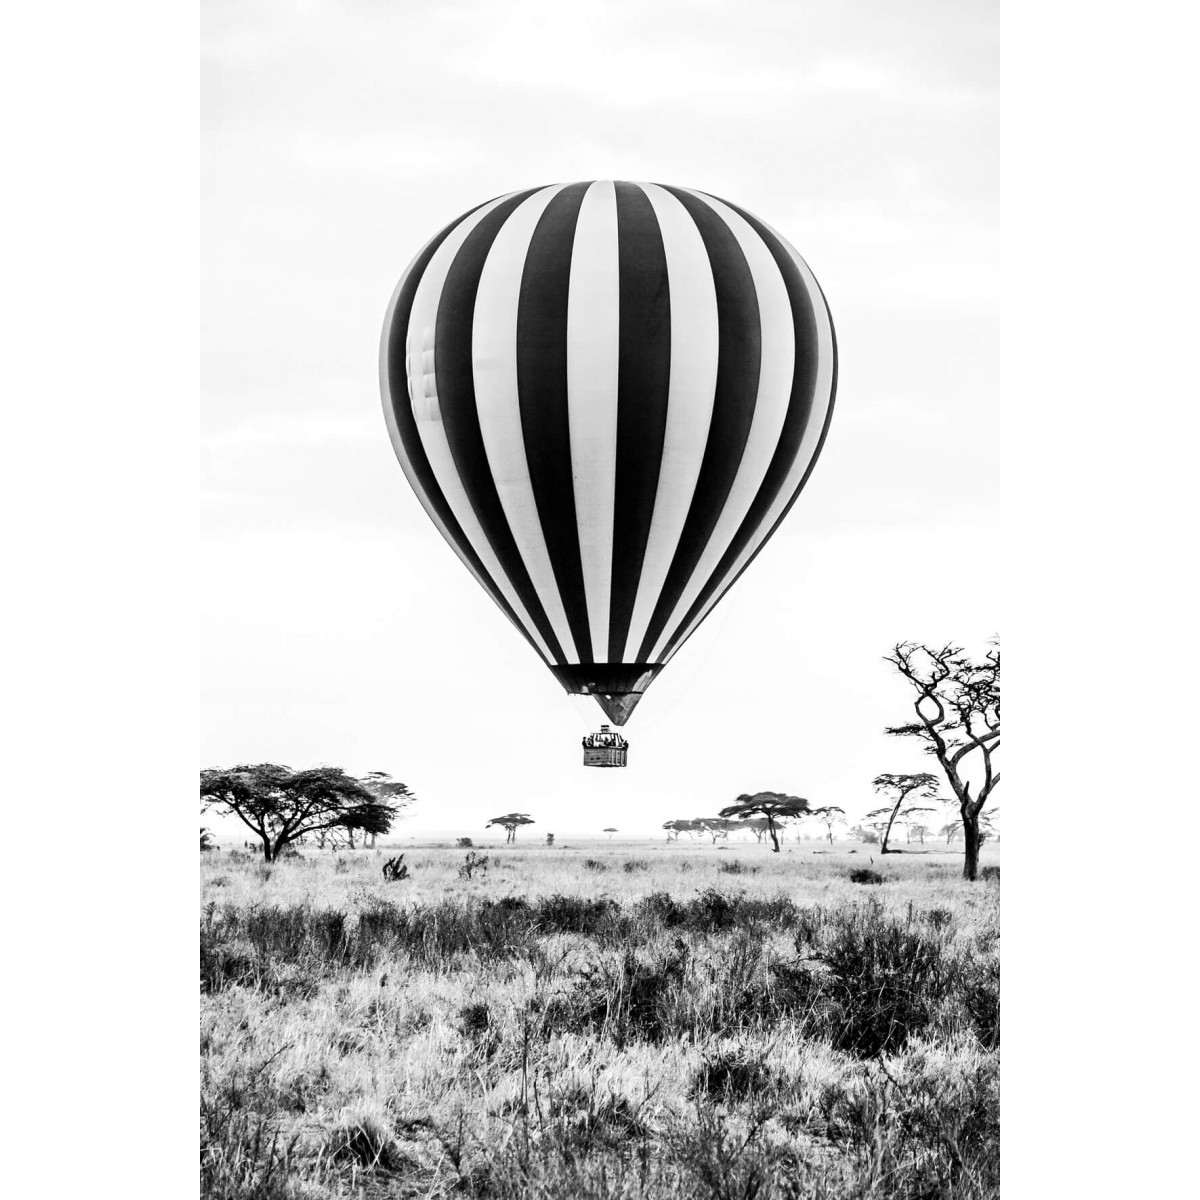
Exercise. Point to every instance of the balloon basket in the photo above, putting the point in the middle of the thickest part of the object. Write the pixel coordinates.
(607, 748)
(606, 756)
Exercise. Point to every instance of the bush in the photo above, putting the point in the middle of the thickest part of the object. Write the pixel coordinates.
(594, 864)
(576, 914)
(732, 1076)
(991, 874)
(636, 864)
(363, 1139)
(464, 843)
(884, 979)
(736, 868)
(865, 875)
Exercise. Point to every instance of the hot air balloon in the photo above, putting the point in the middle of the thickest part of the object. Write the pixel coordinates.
(607, 396)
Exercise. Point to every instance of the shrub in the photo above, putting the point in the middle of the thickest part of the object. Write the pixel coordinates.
(632, 1000)
(636, 864)
(991, 874)
(464, 843)
(979, 982)
(472, 863)
(865, 875)
(712, 911)
(476, 1018)
(884, 979)
(594, 864)
(736, 868)
(732, 1076)
(576, 914)
(364, 1139)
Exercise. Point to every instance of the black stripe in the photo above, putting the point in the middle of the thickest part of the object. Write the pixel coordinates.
(739, 357)
(542, 392)
(807, 472)
(401, 408)
(800, 405)
(455, 376)
(643, 381)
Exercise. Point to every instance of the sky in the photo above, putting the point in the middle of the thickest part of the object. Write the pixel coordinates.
(337, 626)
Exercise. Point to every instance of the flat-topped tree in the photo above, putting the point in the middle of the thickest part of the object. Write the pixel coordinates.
(717, 827)
(610, 830)
(777, 807)
(911, 817)
(282, 806)
(897, 788)
(757, 826)
(957, 704)
(386, 790)
(511, 822)
(829, 816)
(676, 827)
(919, 831)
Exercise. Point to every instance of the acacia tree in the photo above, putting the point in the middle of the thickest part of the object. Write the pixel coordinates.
(687, 825)
(910, 817)
(903, 786)
(777, 807)
(388, 791)
(758, 826)
(920, 830)
(282, 806)
(715, 827)
(610, 830)
(957, 706)
(511, 822)
(829, 816)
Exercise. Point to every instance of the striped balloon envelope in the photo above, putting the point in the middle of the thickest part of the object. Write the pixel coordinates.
(607, 396)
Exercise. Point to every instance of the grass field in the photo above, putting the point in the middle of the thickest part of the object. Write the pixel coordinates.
(600, 1020)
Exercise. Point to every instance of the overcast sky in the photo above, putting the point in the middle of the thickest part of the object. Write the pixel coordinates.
(339, 627)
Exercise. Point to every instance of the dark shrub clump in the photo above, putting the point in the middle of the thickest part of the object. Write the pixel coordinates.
(865, 875)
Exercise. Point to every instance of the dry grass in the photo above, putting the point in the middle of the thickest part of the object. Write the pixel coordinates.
(550, 1029)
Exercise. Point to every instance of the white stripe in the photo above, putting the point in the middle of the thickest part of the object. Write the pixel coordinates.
(693, 381)
(593, 333)
(822, 399)
(422, 325)
(389, 417)
(770, 408)
(494, 362)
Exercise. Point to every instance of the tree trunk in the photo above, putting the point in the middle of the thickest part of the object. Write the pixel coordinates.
(268, 849)
(887, 833)
(774, 835)
(971, 840)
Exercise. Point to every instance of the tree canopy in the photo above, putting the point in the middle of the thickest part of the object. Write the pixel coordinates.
(511, 822)
(282, 806)
(774, 806)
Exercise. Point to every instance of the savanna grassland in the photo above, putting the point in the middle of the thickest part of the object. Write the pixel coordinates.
(600, 1021)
